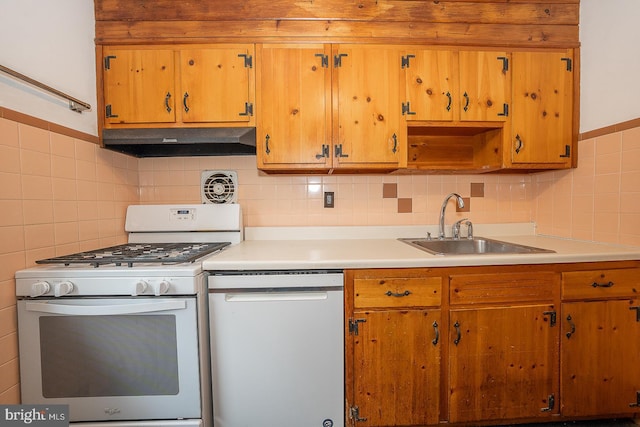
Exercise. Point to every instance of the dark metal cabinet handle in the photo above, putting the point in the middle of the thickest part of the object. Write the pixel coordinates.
(166, 102)
(458, 333)
(394, 294)
(395, 143)
(572, 325)
(602, 285)
(466, 101)
(437, 332)
(519, 144)
(184, 102)
(266, 143)
(449, 100)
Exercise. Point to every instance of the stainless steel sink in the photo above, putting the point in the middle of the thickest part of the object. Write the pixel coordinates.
(475, 246)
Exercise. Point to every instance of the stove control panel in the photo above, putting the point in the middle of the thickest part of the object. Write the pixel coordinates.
(143, 286)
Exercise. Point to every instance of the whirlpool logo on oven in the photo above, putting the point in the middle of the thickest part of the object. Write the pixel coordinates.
(34, 415)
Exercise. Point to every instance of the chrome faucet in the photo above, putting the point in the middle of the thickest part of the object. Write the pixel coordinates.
(444, 208)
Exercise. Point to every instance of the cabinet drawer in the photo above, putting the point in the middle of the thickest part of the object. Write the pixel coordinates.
(397, 292)
(598, 284)
(502, 288)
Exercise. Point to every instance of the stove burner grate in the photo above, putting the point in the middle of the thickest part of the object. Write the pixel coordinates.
(132, 253)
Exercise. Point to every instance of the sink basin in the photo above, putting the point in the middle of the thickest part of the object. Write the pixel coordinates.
(475, 246)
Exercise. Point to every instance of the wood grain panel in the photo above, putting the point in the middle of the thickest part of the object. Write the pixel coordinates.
(502, 288)
(407, 32)
(547, 12)
(599, 284)
(392, 292)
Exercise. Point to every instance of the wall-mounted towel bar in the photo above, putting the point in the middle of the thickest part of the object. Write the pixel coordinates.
(74, 104)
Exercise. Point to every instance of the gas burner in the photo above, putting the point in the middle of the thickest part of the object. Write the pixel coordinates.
(130, 254)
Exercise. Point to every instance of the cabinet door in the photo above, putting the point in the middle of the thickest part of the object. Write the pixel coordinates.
(429, 83)
(214, 84)
(542, 116)
(485, 83)
(139, 85)
(294, 102)
(503, 363)
(397, 367)
(369, 91)
(600, 358)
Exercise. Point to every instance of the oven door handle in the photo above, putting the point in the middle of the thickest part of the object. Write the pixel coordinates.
(106, 310)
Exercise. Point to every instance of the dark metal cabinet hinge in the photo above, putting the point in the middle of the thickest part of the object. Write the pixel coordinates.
(551, 401)
(552, 315)
(324, 153)
(338, 151)
(324, 60)
(505, 63)
(109, 114)
(107, 61)
(637, 402)
(337, 60)
(567, 151)
(248, 60)
(405, 61)
(505, 110)
(355, 414)
(569, 62)
(353, 325)
(248, 109)
(406, 109)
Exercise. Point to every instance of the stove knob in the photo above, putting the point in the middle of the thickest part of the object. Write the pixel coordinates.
(163, 287)
(140, 288)
(62, 288)
(39, 289)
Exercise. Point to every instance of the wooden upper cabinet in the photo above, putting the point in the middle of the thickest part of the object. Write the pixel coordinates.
(485, 80)
(173, 86)
(447, 85)
(139, 85)
(542, 108)
(215, 84)
(370, 131)
(324, 107)
(294, 106)
(429, 84)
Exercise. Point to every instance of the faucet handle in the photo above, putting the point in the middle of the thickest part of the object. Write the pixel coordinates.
(455, 229)
(469, 225)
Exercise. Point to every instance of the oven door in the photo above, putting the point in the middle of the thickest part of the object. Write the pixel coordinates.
(111, 359)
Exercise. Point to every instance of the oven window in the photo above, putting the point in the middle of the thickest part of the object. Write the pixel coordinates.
(123, 355)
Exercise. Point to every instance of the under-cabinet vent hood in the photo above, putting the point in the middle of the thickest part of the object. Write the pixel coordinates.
(181, 141)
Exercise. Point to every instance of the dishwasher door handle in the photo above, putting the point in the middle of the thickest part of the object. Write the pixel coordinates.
(275, 296)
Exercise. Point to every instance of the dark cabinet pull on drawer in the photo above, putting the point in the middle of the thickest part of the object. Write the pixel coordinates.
(602, 285)
(394, 294)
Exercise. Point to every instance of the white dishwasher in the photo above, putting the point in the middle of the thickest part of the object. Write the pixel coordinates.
(277, 348)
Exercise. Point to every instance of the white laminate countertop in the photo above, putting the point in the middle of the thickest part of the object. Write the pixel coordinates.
(356, 247)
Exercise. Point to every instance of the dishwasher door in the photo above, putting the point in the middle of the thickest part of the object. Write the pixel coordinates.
(277, 350)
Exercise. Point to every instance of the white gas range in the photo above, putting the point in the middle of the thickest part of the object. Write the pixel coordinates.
(120, 334)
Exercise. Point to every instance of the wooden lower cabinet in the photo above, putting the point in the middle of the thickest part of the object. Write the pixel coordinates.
(492, 345)
(502, 363)
(393, 348)
(397, 367)
(503, 345)
(601, 343)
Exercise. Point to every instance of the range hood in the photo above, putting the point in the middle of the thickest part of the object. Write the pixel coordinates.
(181, 141)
